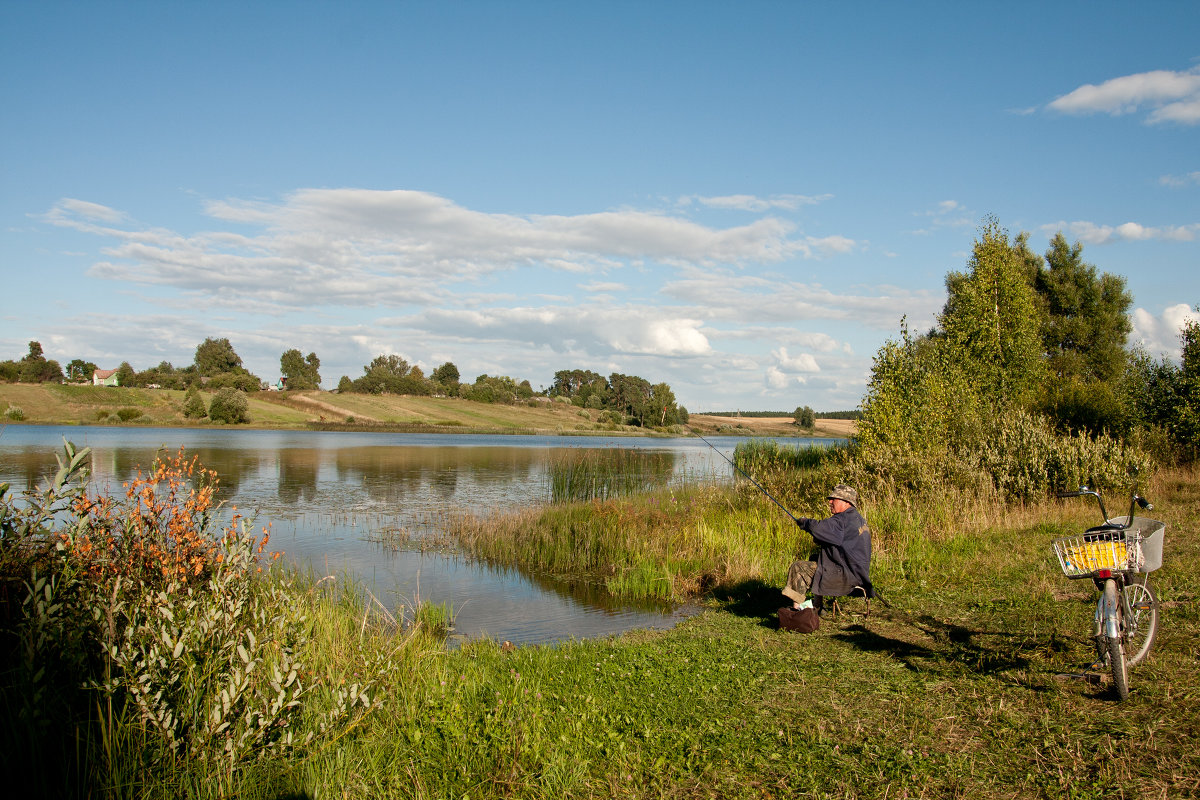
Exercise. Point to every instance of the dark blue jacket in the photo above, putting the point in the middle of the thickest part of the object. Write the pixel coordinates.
(845, 558)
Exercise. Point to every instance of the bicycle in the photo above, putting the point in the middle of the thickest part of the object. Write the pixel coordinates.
(1118, 556)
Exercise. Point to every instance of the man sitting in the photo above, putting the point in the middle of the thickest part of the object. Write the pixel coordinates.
(844, 559)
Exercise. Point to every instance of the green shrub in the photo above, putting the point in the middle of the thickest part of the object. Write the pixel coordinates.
(610, 417)
(14, 413)
(193, 406)
(230, 406)
(127, 414)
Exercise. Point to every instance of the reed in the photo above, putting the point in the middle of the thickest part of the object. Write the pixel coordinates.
(600, 474)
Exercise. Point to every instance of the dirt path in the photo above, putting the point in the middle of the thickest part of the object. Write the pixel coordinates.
(322, 408)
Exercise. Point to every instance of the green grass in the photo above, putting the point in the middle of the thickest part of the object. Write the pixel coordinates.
(957, 689)
(954, 691)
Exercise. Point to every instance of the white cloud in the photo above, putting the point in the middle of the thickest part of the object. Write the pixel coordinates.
(1093, 233)
(1159, 335)
(801, 363)
(945, 214)
(732, 296)
(1169, 96)
(776, 379)
(811, 340)
(1190, 179)
(357, 247)
(604, 286)
(89, 211)
(595, 331)
(748, 202)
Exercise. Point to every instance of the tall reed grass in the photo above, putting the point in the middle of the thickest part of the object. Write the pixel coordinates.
(599, 474)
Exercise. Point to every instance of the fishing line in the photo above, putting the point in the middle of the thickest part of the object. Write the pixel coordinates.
(747, 477)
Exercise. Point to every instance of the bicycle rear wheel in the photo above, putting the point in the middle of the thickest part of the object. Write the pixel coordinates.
(1141, 623)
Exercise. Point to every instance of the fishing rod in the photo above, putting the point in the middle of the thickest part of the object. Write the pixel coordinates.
(739, 469)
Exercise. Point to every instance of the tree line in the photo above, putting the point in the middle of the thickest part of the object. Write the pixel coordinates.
(216, 365)
(1027, 347)
(620, 399)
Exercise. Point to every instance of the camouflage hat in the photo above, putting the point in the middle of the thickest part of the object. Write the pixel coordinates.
(843, 492)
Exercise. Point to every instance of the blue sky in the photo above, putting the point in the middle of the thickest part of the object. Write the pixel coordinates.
(739, 199)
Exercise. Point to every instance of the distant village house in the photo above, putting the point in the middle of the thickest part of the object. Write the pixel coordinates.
(105, 377)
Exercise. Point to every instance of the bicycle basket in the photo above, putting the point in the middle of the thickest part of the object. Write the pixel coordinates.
(1080, 556)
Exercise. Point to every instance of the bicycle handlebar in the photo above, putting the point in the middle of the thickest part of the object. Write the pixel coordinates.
(1134, 500)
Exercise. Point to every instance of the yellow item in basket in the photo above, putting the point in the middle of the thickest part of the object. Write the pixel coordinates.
(1092, 556)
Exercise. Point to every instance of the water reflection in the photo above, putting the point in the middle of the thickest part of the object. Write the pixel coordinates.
(327, 495)
(298, 471)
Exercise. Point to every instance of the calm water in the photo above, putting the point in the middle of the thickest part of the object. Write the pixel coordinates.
(331, 497)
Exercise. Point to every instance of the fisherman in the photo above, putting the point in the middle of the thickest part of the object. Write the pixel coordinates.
(843, 562)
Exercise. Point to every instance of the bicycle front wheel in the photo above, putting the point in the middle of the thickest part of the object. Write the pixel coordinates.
(1141, 621)
(1120, 667)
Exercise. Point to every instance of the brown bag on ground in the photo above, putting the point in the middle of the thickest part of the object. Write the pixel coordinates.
(801, 620)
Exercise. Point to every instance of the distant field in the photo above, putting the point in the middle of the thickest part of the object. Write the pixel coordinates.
(768, 426)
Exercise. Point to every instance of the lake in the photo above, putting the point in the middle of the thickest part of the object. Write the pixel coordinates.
(332, 497)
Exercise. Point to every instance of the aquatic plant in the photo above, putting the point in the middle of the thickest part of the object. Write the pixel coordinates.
(597, 474)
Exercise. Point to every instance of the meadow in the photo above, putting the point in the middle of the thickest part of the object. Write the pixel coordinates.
(972, 682)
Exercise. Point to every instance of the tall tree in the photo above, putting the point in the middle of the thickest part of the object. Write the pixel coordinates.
(805, 418)
(126, 376)
(1086, 322)
(215, 356)
(386, 373)
(302, 372)
(35, 368)
(446, 376)
(1084, 328)
(80, 371)
(662, 405)
(990, 319)
(1186, 425)
(630, 395)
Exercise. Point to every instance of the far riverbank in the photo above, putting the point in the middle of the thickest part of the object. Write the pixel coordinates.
(55, 404)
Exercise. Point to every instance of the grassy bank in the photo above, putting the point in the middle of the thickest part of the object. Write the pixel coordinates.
(955, 690)
(52, 404)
